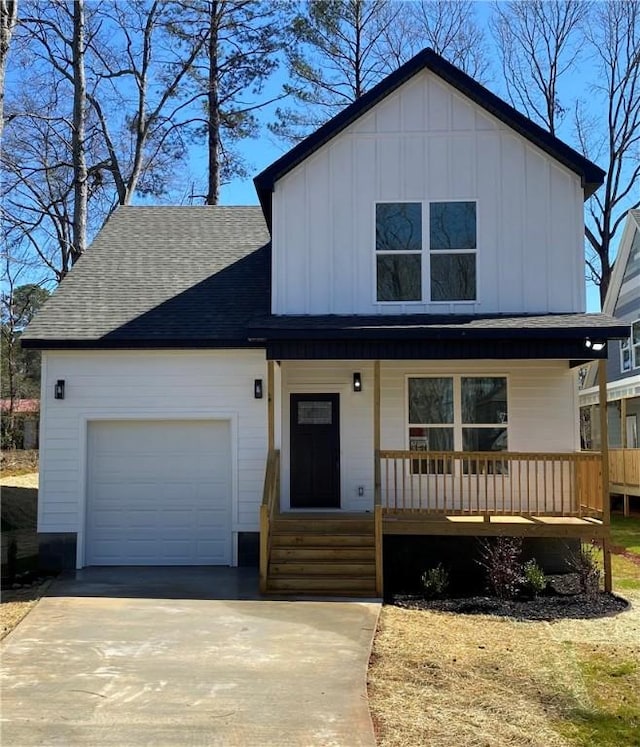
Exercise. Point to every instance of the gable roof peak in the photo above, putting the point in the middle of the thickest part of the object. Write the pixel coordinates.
(591, 175)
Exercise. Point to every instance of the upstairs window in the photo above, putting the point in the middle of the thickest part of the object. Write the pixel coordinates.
(399, 251)
(452, 244)
(444, 233)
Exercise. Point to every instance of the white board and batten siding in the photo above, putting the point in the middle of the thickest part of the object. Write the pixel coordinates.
(117, 401)
(427, 142)
(542, 407)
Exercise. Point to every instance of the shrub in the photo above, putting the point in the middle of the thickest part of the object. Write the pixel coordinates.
(585, 564)
(500, 559)
(534, 577)
(435, 582)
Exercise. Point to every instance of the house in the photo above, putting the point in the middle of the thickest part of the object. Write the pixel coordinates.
(623, 373)
(386, 346)
(26, 415)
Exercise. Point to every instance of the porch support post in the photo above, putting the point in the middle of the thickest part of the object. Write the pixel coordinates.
(604, 449)
(377, 498)
(271, 430)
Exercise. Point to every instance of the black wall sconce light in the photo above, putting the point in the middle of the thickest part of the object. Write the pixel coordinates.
(257, 388)
(357, 382)
(58, 389)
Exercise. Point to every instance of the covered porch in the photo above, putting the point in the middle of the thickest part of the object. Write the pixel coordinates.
(395, 479)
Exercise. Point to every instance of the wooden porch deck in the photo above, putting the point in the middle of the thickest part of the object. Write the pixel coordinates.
(492, 526)
(429, 493)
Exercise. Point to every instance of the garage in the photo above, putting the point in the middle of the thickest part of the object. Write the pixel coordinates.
(158, 493)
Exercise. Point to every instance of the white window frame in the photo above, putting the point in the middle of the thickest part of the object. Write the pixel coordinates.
(457, 424)
(425, 253)
(440, 252)
(376, 253)
(635, 348)
(627, 345)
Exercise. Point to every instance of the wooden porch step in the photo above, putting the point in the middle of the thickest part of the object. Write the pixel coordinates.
(324, 585)
(319, 539)
(310, 568)
(322, 554)
(322, 526)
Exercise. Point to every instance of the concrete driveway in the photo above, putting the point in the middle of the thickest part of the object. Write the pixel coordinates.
(182, 657)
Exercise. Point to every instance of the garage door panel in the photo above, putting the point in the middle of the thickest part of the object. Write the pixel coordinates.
(159, 493)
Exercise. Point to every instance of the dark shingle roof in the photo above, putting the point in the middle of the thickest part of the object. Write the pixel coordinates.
(592, 176)
(163, 276)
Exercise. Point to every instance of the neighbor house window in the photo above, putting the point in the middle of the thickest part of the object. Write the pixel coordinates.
(444, 233)
(625, 355)
(630, 349)
(456, 413)
(399, 251)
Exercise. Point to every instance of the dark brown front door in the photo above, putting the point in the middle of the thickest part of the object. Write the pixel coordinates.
(315, 450)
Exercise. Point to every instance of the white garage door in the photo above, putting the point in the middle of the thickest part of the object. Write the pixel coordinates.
(159, 493)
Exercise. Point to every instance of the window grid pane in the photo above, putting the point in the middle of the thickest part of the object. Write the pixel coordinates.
(431, 400)
(484, 399)
(399, 277)
(399, 227)
(453, 277)
(452, 225)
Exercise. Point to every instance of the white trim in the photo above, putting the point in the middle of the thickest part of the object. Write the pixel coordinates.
(620, 264)
(42, 443)
(619, 389)
(101, 415)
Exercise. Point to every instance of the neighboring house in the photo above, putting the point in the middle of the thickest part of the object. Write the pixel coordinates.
(26, 417)
(623, 372)
(394, 334)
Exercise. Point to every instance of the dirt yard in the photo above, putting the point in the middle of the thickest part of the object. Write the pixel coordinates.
(19, 509)
(442, 678)
(17, 462)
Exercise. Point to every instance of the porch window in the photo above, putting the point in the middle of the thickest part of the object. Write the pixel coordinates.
(399, 251)
(456, 413)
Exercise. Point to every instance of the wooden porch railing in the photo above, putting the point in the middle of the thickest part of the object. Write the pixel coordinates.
(492, 483)
(269, 508)
(624, 467)
(624, 474)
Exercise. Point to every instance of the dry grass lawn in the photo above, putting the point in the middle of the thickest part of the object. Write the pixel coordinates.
(16, 605)
(443, 679)
(19, 501)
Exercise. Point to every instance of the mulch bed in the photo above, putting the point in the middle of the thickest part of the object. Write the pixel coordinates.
(562, 600)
